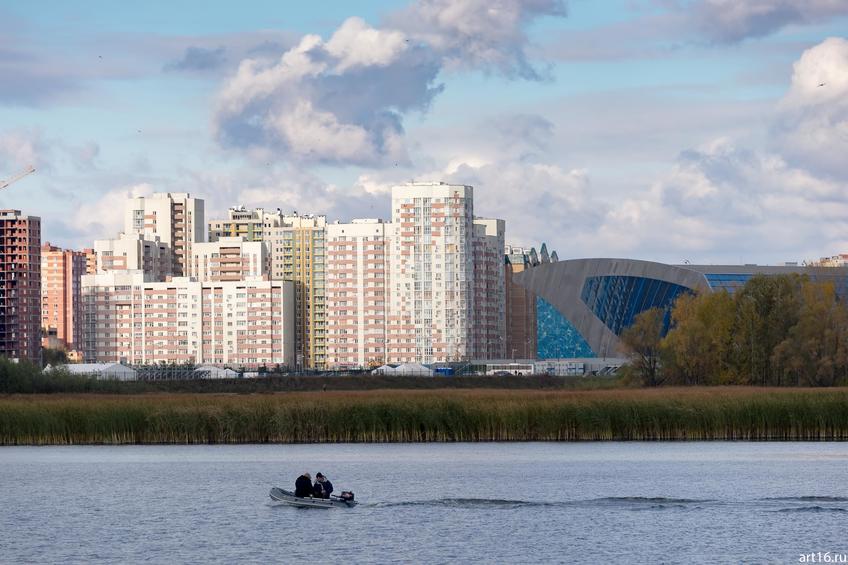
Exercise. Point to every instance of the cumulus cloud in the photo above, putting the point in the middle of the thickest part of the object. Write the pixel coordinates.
(103, 218)
(21, 148)
(731, 21)
(487, 34)
(337, 101)
(343, 100)
(812, 129)
(198, 59)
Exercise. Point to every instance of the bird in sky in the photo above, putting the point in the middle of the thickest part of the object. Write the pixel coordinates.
(822, 84)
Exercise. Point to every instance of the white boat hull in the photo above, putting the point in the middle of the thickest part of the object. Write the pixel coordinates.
(287, 497)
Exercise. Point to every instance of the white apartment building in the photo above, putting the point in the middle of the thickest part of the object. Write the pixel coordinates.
(129, 318)
(432, 273)
(134, 251)
(175, 217)
(228, 259)
(356, 297)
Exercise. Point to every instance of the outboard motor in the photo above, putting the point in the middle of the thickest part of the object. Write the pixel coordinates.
(347, 496)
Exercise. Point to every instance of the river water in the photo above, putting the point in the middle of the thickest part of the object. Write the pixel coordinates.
(428, 503)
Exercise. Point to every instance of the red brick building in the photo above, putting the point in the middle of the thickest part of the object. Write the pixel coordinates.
(20, 286)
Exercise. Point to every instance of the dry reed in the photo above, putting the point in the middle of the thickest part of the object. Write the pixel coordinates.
(423, 416)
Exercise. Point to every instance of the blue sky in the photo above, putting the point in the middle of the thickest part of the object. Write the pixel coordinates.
(657, 130)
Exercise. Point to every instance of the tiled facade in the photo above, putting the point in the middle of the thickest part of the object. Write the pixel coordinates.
(228, 259)
(61, 304)
(175, 218)
(20, 286)
(432, 273)
(134, 252)
(297, 251)
(489, 319)
(246, 323)
(357, 283)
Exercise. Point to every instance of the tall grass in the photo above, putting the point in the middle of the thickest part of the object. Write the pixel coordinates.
(423, 416)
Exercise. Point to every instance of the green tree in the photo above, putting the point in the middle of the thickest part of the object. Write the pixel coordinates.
(643, 340)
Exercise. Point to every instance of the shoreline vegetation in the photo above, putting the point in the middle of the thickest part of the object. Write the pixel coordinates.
(671, 413)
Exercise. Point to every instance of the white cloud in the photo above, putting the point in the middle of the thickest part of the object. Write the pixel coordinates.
(486, 34)
(812, 130)
(339, 101)
(343, 101)
(730, 21)
(104, 218)
(21, 148)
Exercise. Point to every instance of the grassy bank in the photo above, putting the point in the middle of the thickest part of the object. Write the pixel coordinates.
(415, 416)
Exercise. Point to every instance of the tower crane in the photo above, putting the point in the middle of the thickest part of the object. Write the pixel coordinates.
(17, 177)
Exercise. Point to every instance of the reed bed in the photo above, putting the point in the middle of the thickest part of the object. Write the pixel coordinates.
(427, 416)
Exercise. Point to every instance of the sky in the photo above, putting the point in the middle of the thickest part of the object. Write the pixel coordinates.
(707, 131)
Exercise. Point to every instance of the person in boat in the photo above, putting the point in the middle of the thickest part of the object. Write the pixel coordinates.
(303, 486)
(323, 487)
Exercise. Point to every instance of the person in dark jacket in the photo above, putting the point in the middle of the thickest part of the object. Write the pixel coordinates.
(303, 486)
(323, 486)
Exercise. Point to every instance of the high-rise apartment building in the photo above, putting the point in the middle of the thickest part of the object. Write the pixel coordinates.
(489, 319)
(245, 323)
(251, 224)
(175, 217)
(357, 284)
(61, 303)
(90, 260)
(521, 324)
(134, 252)
(228, 259)
(297, 253)
(20, 286)
(432, 273)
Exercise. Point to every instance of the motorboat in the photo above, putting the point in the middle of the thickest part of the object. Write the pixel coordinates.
(346, 500)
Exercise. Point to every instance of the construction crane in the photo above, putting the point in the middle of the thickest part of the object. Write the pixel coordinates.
(17, 177)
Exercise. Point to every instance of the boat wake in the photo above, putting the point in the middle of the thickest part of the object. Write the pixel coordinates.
(633, 502)
(813, 509)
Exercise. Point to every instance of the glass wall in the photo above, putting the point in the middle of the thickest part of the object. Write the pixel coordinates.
(617, 300)
(557, 337)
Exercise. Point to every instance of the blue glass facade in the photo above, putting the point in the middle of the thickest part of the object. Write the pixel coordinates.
(731, 282)
(557, 337)
(728, 282)
(617, 300)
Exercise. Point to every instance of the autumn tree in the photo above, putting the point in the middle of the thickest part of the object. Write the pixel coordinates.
(643, 340)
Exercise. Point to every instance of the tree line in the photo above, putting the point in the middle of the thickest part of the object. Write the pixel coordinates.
(774, 331)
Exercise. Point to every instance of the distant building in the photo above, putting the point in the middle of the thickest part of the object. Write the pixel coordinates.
(175, 218)
(133, 320)
(520, 305)
(251, 224)
(90, 260)
(488, 321)
(840, 260)
(101, 371)
(432, 273)
(356, 293)
(20, 286)
(297, 253)
(228, 259)
(597, 299)
(134, 252)
(61, 303)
